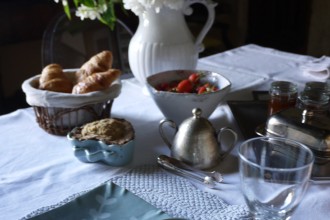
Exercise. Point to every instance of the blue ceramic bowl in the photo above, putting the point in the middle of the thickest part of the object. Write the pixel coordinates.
(91, 151)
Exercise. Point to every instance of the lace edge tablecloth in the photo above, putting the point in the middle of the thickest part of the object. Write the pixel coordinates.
(172, 194)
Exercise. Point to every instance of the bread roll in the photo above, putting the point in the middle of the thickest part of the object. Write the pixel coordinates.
(50, 72)
(96, 81)
(98, 63)
(53, 79)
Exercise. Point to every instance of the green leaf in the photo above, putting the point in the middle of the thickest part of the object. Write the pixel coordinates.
(88, 3)
(109, 16)
(117, 1)
(111, 25)
(76, 3)
(67, 11)
(102, 2)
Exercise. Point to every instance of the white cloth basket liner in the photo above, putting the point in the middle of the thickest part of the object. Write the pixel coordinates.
(38, 97)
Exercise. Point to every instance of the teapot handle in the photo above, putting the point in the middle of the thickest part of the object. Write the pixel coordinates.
(210, 19)
(220, 133)
(161, 131)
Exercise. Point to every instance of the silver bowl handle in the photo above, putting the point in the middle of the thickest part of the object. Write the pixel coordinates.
(162, 133)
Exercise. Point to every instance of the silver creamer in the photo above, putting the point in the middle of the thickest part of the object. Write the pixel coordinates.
(196, 142)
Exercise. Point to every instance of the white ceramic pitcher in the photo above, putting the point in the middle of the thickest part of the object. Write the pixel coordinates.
(163, 40)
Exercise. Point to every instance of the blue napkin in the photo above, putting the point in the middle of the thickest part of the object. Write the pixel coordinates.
(108, 201)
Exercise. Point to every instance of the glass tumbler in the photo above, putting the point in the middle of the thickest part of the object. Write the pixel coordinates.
(274, 175)
(283, 95)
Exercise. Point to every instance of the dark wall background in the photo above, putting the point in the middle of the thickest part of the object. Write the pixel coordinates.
(280, 24)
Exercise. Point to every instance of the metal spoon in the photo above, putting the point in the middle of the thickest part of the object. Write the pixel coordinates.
(210, 179)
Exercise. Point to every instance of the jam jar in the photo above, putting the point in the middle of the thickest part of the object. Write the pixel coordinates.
(283, 95)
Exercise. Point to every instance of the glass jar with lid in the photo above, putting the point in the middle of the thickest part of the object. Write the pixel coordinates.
(318, 86)
(313, 102)
(314, 99)
(283, 95)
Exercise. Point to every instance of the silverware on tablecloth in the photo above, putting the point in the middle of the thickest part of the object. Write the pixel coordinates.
(209, 179)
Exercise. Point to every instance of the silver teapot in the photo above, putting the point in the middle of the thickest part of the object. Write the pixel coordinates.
(196, 142)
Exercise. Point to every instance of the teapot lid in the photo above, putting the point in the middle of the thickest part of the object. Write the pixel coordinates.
(197, 123)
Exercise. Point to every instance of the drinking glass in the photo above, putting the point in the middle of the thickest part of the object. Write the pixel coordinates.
(274, 174)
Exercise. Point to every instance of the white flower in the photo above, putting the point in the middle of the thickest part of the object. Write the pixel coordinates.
(64, 2)
(138, 7)
(102, 10)
(174, 4)
(135, 6)
(89, 12)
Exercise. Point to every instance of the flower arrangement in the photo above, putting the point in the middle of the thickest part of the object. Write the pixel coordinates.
(104, 10)
(140, 6)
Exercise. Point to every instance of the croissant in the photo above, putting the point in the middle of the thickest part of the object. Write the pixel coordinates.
(53, 79)
(96, 81)
(98, 63)
(51, 71)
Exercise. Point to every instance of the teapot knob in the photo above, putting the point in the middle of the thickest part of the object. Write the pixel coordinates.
(197, 112)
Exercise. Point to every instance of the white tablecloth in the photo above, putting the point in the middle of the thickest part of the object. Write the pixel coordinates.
(38, 169)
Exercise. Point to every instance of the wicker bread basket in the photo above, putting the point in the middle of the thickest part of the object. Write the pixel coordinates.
(58, 113)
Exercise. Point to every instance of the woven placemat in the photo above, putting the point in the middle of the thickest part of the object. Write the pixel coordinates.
(172, 194)
(177, 196)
